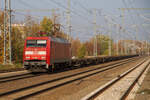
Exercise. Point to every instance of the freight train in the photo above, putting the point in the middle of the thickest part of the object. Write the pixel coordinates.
(48, 53)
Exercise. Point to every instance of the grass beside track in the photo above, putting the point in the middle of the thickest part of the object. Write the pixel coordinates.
(9, 67)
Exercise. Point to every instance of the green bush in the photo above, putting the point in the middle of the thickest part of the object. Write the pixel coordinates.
(82, 51)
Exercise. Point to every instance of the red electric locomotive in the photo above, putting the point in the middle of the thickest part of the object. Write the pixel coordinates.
(43, 53)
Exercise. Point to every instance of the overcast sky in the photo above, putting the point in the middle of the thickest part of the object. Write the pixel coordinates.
(82, 17)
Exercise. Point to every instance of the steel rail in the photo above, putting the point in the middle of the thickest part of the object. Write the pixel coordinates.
(12, 76)
(125, 95)
(20, 77)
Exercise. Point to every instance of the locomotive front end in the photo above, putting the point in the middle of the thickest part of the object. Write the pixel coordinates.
(35, 54)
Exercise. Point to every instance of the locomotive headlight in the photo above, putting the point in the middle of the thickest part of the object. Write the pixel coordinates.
(42, 52)
(29, 52)
(43, 57)
(27, 57)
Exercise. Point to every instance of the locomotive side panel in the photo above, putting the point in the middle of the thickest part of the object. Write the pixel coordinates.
(52, 52)
(59, 52)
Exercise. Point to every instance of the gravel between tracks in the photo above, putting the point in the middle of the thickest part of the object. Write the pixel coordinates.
(71, 91)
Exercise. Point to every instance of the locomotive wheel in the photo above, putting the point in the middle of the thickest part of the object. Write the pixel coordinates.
(51, 69)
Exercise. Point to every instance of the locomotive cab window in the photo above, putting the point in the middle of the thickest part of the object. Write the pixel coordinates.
(41, 43)
(36, 43)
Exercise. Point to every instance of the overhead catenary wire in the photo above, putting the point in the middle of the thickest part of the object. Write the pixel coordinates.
(72, 11)
(84, 8)
(133, 8)
(55, 2)
(25, 4)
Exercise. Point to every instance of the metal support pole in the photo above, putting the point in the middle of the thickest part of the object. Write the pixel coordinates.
(117, 42)
(119, 35)
(124, 43)
(5, 20)
(10, 55)
(69, 22)
(148, 48)
(110, 53)
(54, 20)
(95, 30)
(136, 36)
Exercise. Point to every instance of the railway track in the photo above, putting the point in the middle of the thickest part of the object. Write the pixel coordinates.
(12, 70)
(19, 77)
(99, 93)
(126, 93)
(4, 79)
(29, 91)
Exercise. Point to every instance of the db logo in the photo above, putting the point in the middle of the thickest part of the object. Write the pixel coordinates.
(35, 52)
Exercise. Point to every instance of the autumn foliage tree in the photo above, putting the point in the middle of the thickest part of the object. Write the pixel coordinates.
(75, 45)
(17, 45)
(82, 51)
(102, 44)
(47, 26)
(89, 48)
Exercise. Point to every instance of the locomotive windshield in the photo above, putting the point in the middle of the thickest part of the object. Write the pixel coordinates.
(36, 43)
